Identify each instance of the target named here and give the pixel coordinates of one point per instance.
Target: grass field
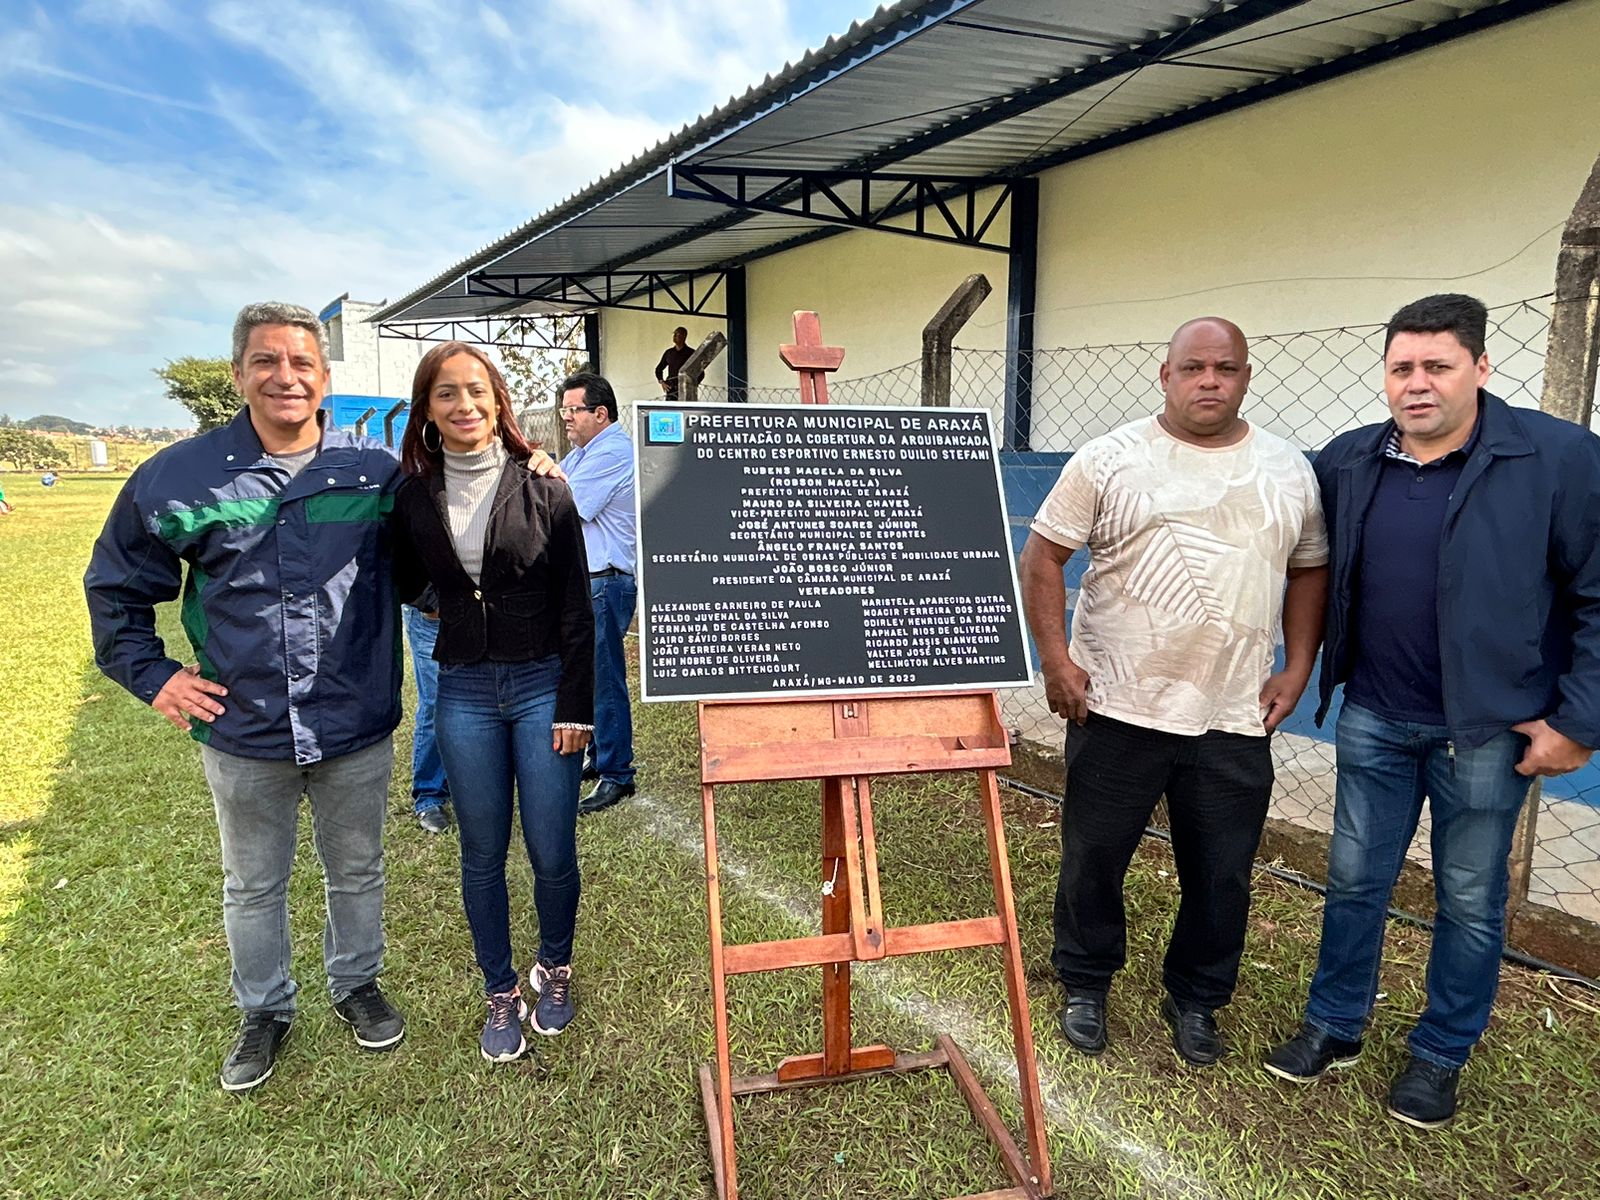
(114, 1006)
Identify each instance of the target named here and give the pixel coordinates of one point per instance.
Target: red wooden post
(811, 358)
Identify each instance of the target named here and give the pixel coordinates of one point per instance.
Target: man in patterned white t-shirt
(1193, 520)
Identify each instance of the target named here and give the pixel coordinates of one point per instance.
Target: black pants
(1218, 786)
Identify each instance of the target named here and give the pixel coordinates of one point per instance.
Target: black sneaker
(249, 1063)
(554, 1009)
(434, 820)
(1194, 1033)
(1083, 1022)
(377, 1023)
(1310, 1054)
(1424, 1095)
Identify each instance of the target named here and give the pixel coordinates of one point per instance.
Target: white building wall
(631, 344)
(370, 365)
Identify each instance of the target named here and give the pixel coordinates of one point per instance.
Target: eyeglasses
(567, 409)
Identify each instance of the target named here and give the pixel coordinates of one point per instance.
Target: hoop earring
(427, 425)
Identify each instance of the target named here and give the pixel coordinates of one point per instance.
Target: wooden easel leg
(1016, 984)
(836, 877)
(722, 1133)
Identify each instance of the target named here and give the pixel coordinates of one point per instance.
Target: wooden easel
(844, 742)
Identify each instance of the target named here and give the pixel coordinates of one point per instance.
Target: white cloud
(26, 374)
(364, 154)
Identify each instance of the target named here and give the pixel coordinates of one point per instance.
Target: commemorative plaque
(817, 550)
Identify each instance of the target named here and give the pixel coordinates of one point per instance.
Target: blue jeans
(1385, 769)
(613, 597)
(494, 722)
(258, 811)
(428, 786)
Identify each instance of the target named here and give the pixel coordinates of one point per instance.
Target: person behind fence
(503, 548)
(601, 471)
(1464, 624)
(1193, 520)
(671, 362)
(274, 529)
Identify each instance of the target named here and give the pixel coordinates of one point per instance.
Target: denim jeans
(258, 811)
(494, 722)
(1218, 786)
(428, 786)
(1385, 769)
(613, 597)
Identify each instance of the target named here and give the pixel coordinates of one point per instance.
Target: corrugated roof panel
(886, 94)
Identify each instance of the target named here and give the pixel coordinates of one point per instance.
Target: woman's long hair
(415, 456)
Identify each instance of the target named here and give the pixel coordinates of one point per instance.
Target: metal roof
(950, 88)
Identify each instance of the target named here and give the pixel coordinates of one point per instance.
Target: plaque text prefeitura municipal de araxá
(810, 549)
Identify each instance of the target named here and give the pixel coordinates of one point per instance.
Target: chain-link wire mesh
(900, 385)
(1306, 386)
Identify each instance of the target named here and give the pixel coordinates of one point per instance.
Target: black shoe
(605, 794)
(377, 1023)
(1194, 1033)
(249, 1063)
(434, 820)
(1424, 1095)
(1083, 1022)
(1309, 1054)
(590, 773)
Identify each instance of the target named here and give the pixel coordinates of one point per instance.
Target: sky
(164, 163)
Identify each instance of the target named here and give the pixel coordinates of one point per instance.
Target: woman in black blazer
(503, 550)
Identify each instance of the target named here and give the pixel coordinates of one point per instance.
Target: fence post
(388, 422)
(938, 335)
(1570, 361)
(694, 368)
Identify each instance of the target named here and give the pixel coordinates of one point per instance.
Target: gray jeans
(258, 810)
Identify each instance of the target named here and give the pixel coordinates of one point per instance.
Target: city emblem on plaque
(666, 427)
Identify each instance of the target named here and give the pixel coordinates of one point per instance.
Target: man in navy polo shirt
(1464, 622)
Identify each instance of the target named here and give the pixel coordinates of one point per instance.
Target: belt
(608, 572)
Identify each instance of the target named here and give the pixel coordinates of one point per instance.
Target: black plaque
(808, 549)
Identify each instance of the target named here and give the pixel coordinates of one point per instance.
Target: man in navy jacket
(1464, 622)
(274, 530)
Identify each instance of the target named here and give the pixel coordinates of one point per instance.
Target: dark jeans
(613, 597)
(1218, 786)
(428, 786)
(494, 723)
(1385, 769)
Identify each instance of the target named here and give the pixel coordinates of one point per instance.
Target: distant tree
(29, 451)
(5, 420)
(533, 374)
(204, 386)
(51, 423)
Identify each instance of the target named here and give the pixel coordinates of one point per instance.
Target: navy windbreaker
(287, 589)
(1519, 572)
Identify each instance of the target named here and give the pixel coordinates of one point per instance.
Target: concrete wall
(369, 365)
(631, 344)
(874, 291)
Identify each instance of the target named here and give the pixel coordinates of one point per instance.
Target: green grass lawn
(114, 1004)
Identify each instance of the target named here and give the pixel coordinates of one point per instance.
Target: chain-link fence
(1306, 386)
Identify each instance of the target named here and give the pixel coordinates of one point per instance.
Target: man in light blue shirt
(600, 472)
